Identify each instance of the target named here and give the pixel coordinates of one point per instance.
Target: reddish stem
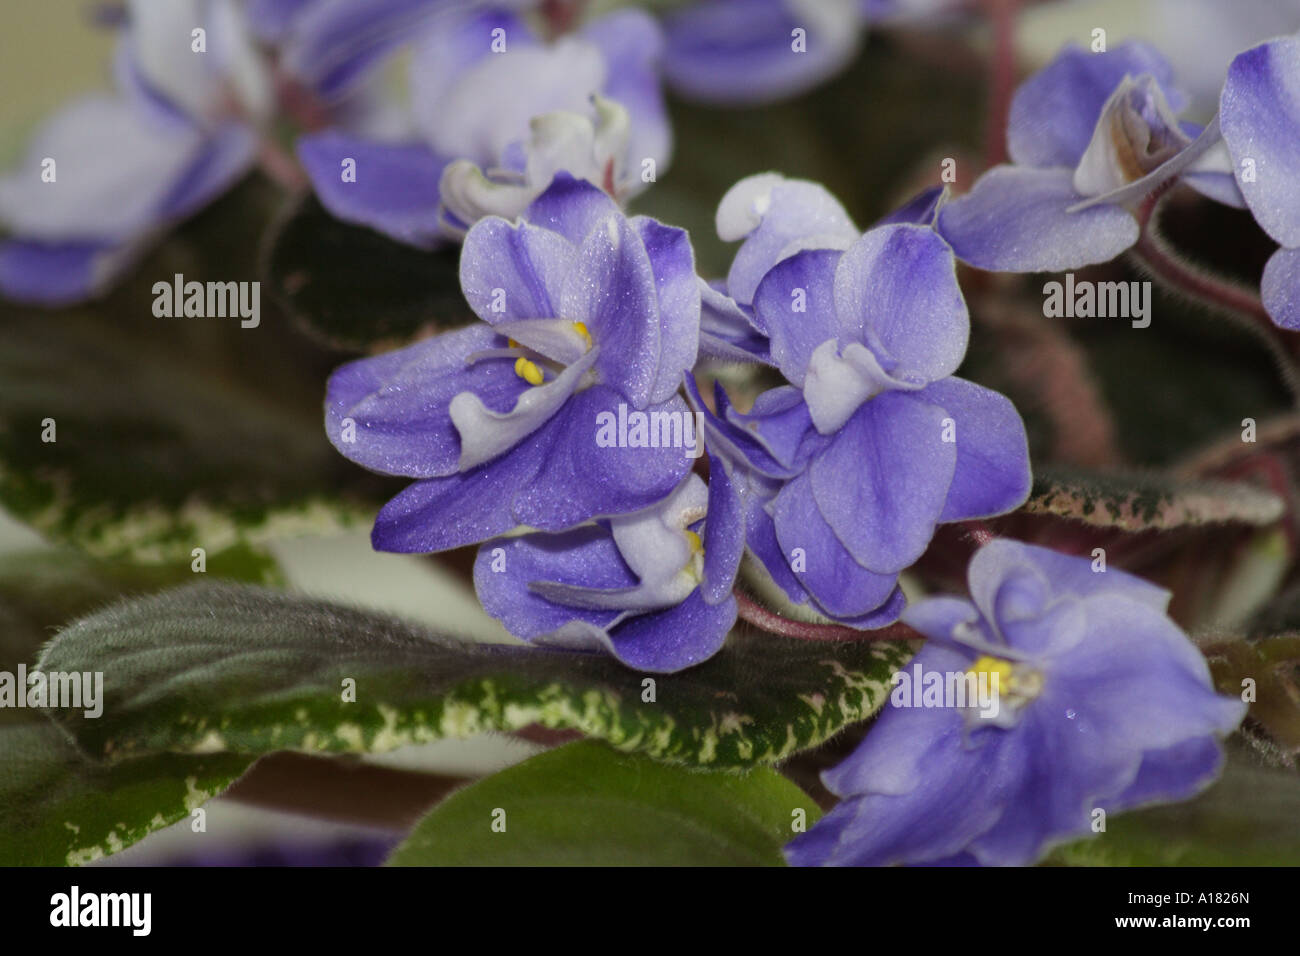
(1002, 77)
(1155, 253)
(773, 623)
(280, 166)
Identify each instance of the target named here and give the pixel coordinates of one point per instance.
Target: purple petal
(511, 271)
(840, 586)
(677, 289)
(1054, 112)
(1167, 776)
(332, 45)
(805, 281)
(399, 402)
(920, 210)
(1063, 574)
(611, 289)
(396, 187)
(585, 556)
(60, 274)
(777, 217)
(742, 51)
(679, 637)
(992, 475)
(1260, 117)
(724, 533)
(1280, 288)
(1015, 220)
(883, 481)
(572, 207)
(896, 289)
(438, 514)
(227, 154)
(115, 169)
(632, 43)
(577, 480)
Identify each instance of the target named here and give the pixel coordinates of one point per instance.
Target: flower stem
(1154, 252)
(1002, 78)
(774, 623)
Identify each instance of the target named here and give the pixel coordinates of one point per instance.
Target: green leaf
(1248, 818)
(172, 433)
(1133, 502)
(585, 805)
(353, 288)
(57, 807)
(218, 667)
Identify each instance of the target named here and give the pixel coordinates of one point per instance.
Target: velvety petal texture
(562, 406)
(1103, 704)
(627, 586)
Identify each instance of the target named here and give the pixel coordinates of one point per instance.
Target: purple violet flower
(585, 314)
(495, 113)
(755, 51)
(843, 474)
(1260, 113)
(107, 174)
(1090, 698)
(1090, 135)
(644, 587)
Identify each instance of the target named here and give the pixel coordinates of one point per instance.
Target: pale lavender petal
(896, 289)
(1015, 220)
(1280, 288)
(883, 481)
(1260, 117)
(992, 474)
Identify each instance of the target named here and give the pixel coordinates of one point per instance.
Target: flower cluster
(631, 445)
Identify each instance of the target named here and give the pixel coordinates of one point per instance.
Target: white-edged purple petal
(511, 271)
(677, 289)
(113, 168)
(777, 217)
(748, 51)
(333, 45)
(572, 207)
(896, 290)
(578, 480)
(724, 532)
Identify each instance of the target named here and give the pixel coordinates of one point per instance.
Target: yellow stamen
(581, 329)
(697, 546)
(993, 665)
(512, 343)
(528, 371)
